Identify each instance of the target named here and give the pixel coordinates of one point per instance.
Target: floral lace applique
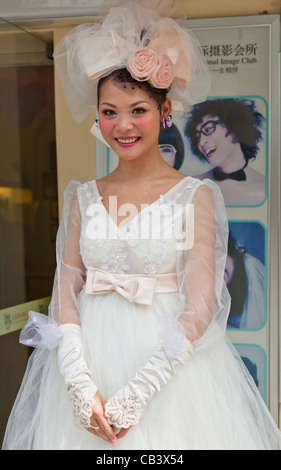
(115, 257)
(159, 253)
(124, 411)
(82, 408)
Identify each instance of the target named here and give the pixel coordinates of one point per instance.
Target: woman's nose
(124, 123)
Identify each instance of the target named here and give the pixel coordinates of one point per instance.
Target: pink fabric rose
(142, 64)
(163, 75)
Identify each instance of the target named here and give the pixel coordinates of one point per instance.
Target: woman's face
(129, 119)
(214, 141)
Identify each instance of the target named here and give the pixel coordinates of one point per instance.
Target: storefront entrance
(28, 196)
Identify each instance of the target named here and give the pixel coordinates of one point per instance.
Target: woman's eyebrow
(108, 104)
(137, 103)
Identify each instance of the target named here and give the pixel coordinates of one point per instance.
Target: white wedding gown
(211, 403)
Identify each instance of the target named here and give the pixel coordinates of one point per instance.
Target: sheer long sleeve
(42, 331)
(198, 275)
(205, 300)
(62, 328)
(69, 282)
(70, 273)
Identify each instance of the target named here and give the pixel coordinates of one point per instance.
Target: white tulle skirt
(211, 404)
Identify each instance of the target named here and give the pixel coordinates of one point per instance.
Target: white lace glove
(81, 389)
(125, 408)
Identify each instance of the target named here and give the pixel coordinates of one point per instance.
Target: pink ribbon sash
(136, 288)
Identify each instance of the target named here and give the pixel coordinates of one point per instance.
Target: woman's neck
(141, 168)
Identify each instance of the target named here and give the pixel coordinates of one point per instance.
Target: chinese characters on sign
(226, 58)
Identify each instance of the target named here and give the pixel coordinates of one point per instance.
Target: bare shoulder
(175, 174)
(105, 180)
(107, 184)
(170, 178)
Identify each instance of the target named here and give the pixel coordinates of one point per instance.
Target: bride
(133, 354)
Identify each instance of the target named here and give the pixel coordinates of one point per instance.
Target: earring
(167, 121)
(97, 123)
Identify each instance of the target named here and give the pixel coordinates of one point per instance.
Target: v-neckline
(100, 198)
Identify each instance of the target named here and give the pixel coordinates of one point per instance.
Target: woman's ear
(166, 108)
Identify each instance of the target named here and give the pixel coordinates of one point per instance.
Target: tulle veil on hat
(91, 51)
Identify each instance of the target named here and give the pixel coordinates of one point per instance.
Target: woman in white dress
(135, 342)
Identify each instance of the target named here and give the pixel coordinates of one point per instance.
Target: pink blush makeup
(105, 124)
(145, 123)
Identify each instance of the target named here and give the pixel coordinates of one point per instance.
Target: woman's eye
(108, 112)
(139, 111)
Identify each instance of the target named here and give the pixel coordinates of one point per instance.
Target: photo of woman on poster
(171, 146)
(245, 276)
(226, 133)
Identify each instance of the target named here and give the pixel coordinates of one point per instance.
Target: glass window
(28, 176)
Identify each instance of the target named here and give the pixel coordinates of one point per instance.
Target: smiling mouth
(210, 152)
(128, 141)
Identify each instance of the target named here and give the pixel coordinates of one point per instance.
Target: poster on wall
(230, 139)
(224, 139)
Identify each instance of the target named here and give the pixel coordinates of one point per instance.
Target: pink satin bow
(138, 289)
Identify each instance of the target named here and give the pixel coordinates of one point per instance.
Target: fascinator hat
(139, 36)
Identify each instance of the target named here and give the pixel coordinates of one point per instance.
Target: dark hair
(173, 137)
(124, 76)
(238, 284)
(239, 116)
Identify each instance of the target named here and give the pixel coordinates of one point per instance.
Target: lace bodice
(128, 250)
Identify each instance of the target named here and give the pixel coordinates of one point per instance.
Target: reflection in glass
(28, 177)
